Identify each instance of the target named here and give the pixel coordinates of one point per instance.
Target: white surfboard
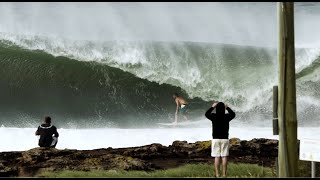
(167, 124)
(180, 124)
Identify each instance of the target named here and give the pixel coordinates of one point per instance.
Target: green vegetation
(237, 170)
(304, 168)
(189, 170)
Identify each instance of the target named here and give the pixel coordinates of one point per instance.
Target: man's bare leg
(176, 119)
(217, 165)
(224, 166)
(185, 118)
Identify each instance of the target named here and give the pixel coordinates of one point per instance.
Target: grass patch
(304, 168)
(189, 170)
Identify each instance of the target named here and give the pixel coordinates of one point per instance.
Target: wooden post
(277, 167)
(313, 169)
(288, 145)
(275, 123)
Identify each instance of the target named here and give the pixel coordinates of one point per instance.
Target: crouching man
(48, 134)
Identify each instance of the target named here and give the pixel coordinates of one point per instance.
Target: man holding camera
(220, 134)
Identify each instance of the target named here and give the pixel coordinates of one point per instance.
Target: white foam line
(20, 139)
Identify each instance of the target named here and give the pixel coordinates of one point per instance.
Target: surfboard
(167, 124)
(189, 123)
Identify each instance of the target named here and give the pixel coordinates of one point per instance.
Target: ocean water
(106, 72)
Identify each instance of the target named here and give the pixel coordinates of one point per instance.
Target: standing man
(182, 106)
(46, 132)
(220, 134)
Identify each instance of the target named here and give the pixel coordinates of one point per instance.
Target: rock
(145, 152)
(37, 160)
(149, 157)
(234, 141)
(181, 148)
(261, 151)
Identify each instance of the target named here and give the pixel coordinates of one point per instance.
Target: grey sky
(249, 23)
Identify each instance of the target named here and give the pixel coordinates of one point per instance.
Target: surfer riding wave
(182, 107)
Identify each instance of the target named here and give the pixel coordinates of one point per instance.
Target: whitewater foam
(21, 139)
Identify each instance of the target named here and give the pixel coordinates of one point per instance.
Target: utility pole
(288, 143)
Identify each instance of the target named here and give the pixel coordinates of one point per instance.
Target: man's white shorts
(219, 147)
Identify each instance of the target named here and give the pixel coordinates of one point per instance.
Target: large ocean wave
(127, 84)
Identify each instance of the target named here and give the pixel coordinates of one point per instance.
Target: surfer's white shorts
(219, 147)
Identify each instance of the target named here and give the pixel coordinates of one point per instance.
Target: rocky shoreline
(149, 157)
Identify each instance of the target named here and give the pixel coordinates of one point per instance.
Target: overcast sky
(248, 23)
